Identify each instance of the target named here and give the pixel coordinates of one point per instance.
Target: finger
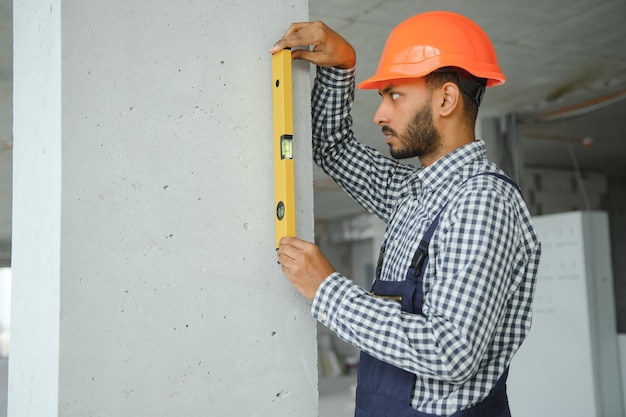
(284, 260)
(295, 36)
(289, 247)
(287, 252)
(306, 55)
(294, 242)
(295, 28)
(285, 240)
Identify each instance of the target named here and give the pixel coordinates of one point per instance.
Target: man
(451, 302)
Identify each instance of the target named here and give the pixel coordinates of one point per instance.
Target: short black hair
(472, 88)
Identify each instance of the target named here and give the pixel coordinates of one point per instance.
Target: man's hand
(304, 265)
(329, 48)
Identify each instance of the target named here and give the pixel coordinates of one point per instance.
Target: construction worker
(451, 300)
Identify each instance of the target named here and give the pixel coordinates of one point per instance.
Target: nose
(381, 117)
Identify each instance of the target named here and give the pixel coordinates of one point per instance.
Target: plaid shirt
(483, 258)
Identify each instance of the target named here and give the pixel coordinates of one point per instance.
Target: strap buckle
(397, 298)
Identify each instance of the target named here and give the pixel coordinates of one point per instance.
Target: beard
(420, 138)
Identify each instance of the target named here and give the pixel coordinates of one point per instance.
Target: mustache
(387, 130)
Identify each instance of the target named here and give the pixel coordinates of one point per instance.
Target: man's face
(406, 117)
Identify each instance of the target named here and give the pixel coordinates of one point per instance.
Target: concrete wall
(144, 272)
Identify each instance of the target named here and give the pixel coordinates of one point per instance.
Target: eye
(394, 96)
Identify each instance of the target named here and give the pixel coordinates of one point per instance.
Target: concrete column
(145, 281)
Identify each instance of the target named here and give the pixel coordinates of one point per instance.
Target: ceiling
(556, 54)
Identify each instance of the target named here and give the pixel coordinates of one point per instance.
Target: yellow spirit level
(284, 184)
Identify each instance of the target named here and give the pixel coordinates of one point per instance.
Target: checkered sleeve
(373, 180)
(481, 249)
(479, 246)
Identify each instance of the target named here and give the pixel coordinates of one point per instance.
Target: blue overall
(384, 390)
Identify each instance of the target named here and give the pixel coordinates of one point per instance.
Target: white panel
(561, 368)
(622, 354)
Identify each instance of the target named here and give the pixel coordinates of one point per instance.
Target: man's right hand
(329, 48)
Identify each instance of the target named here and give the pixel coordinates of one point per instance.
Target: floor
(337, 396)
(337, 399)
(336, 405)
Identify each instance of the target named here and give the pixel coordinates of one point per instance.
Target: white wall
(5, 311)
(573, 342)
(36, 248)
(144, 269)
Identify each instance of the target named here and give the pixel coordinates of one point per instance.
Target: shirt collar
(444, 168)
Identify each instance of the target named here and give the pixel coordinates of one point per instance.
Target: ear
(449, 99)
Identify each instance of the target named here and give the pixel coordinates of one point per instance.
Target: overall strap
(502, 177)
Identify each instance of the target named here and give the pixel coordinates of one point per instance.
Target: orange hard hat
(429, 41)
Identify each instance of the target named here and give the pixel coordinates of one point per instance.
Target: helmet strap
(474, 87)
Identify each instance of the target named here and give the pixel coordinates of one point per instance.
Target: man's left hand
(304, 264)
